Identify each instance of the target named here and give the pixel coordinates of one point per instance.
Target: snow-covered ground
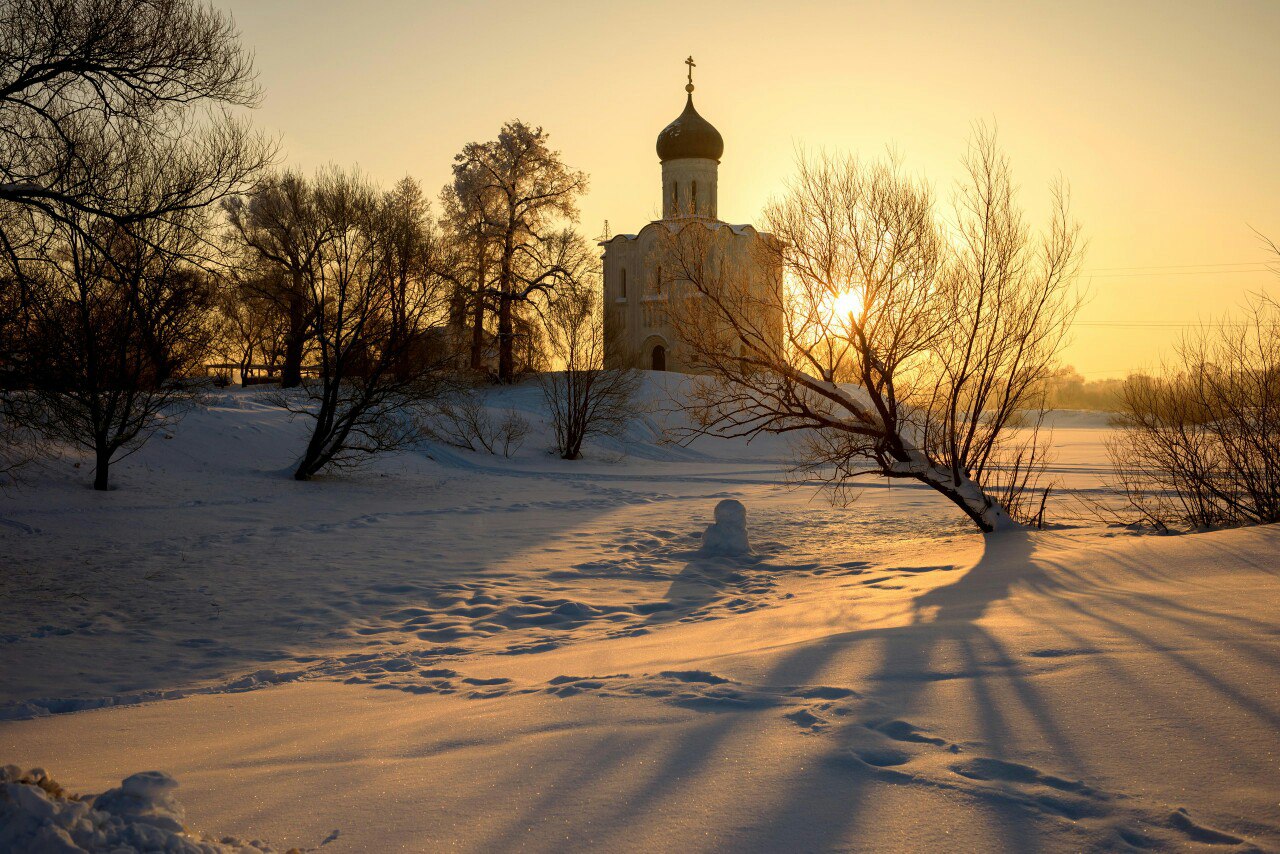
(451, 650)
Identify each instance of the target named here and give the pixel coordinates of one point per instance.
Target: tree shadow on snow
(830, 804)
(822, 807)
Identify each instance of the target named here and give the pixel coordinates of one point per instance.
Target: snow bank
(38, 815)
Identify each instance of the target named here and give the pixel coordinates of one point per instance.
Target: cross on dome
(690, 135)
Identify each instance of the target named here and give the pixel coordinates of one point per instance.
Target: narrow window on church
(658, 288)
(675, 200)
(624, 283)
(693, 197)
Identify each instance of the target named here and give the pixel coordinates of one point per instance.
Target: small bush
(463, 421)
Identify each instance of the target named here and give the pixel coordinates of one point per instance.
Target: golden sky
(1163, 116)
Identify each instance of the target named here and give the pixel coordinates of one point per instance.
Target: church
(638, 333)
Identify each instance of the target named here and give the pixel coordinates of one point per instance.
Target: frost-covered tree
(895, 346)
(517, 199)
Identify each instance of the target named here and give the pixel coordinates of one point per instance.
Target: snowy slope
(456, 650)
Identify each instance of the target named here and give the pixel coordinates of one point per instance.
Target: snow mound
(38, 815)
(727, 535)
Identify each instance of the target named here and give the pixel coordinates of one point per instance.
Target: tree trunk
(295, 340)
(101, 469)
(506, 341)
(986, 512)
(477, 330)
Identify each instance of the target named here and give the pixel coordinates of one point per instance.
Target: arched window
(657, 287)
(659, 357)
(675, 199)
(693, 197)
(623, 280)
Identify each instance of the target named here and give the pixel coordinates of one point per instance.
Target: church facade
(638, 332)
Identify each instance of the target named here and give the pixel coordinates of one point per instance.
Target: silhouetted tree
(466, 213)
(93, 94)
(110, 319)
(896, 353)
(378, 302)
(115, 140)
(250, 328)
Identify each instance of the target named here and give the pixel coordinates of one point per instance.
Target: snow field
(450, 649)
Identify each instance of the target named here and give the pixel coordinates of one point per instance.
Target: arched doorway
(659, 357)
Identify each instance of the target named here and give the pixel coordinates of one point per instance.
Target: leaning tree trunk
(986, 512)
(903, 459)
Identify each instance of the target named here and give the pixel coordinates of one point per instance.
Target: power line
(1120, 324)
(1178, 273)
(1181, 266)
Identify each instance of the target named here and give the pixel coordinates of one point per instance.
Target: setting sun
(847, 304)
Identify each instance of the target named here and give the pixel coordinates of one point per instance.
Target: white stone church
(637, 332)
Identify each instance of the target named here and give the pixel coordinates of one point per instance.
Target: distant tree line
(1067, 388)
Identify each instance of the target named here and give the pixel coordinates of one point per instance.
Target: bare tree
(92, 92)
(584, 399)
(281, 230)
(858, 323)
(376, 301)
(250, 329)
(110, 319)
(520, 195)
(115, 137)
(1013, 307)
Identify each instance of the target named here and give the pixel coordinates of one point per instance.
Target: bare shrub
(585, 399)
(1199, 445)
(463, 421)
